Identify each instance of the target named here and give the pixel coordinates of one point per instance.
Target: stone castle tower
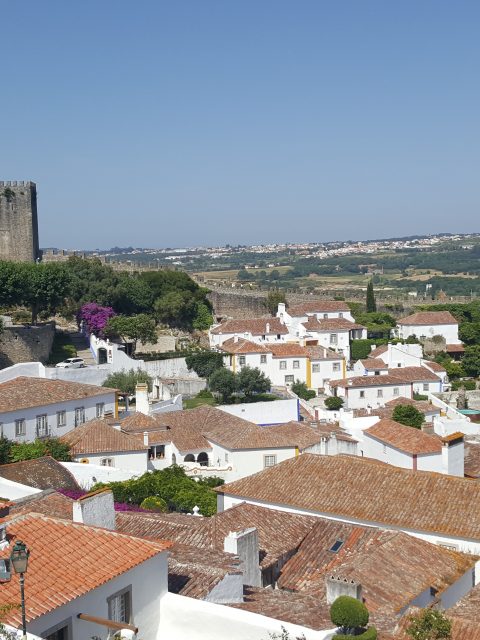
(18, 221)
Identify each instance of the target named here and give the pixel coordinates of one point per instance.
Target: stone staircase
(82, 346)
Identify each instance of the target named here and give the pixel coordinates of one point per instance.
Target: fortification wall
(18, 221)
(25, 343)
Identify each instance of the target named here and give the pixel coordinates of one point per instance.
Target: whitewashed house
(33, 408)
(426, 324)
(370, 367)
(427, 505)
(260, 330)
(100, 443)
(319, 309)
(370, 391)
(335, 334)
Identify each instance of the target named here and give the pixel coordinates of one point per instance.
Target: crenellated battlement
(17, 183)
(18, 221)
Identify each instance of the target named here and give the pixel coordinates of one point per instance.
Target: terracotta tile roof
(368, 381)
(317, 306)
(378, 351)
(293, 608)
(422, 405)
(355, 487)
(241, 345)
(41, 473)
(414, 374)
(24, 392)
(139, 421)
(287, 350)
(385, 563)
(255, 326)
(96, 436)
(434, 366)
(455, 348)
(472, 459)
(428, 317)
(462, 628)
(331, 324)
(467, 608)
(374, 363)
(68, 560)
(317, 352)
(408, 439)
(48, 503)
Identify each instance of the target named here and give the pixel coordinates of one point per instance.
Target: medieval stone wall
(25, 343)
(18, 221)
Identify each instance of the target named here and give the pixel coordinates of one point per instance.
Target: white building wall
(264, 413)
(134, 461)
(447, 331)
(89, 474)
(354, 400)
(30, 415)
(373, 448)
(149, 585)
(328, 370)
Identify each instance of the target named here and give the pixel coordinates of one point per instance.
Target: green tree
(204, 363)
(126, 381)
(370, 302)
(471, 361)
(333, 403)
(5, 449)
(154, 503)
(176, 309)
(469, 332)
(224, 383)
(243, 275)
(203, 317)
(350, 614)
(251, 381)
(45, 287)
(131, 296)
(48, 447)
(409, 415)
(136, 328)
(274, 298)
(11, 283)
(429, 624)
(302, 391)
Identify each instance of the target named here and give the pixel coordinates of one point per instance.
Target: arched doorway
(102, 356)
(202, 459)
(189, 458)
(174, 459)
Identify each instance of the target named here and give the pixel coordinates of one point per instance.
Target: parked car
(71, 363)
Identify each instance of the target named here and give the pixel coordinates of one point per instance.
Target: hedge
(470, 385)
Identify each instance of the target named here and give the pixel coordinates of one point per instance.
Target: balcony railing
(43, 432)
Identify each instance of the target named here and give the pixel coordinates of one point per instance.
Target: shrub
(349, 613)
(302, 391)
(333, 403)
(429, 624)
(126, 381)
(419, 396)
(369, 634)
(408, 415)
(48, 447)
(468, 385)
(154, 503)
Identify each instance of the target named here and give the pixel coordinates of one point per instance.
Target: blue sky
(206, 122)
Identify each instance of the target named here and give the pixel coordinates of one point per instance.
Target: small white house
(426, 324)
(33, 408)
(319, 309)
(260, 330)
(363, 392)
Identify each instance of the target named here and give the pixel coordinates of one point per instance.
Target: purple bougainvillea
(95, 317)
(119, 506)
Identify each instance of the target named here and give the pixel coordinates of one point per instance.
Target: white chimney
(145, 438)
(281, 308)
(337, 586)
(244, 544)
(333, 444)
(95, 509)
(235, 338)
(267, 328)
(453, 455)
(141, 398)
(116, 425)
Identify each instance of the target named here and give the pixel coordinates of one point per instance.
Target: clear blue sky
(205, 122)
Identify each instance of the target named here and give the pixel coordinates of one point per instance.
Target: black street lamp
(19, 560)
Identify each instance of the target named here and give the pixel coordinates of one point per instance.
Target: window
(107, 462)
(340, 315)
(379, 393)
(226, 457)
(425, 386)
(289, 379)
(241, 360)
(263, 337)
(336, 366)
(263, 359)
(269, 461)
(315, 368)
(362, 394)
(20, 427)
(278, 336)
(42, 426)
(396, 391)
(325, 316)
(1, 429)
(61, 418)
(120, 606)
(99, 409)
(333, 338)
(296, 364)
(283, 364)
(336, 546)
(79, 416)
(61, 631)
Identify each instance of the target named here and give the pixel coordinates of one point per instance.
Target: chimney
(244, 544)
(337, 586)
(145, 438)
(333, 444)
(324, 352)
(95, 509)
(267, 328)
(141, 398)
(235, 338)
(116, 425)
(453, 454)
(281, 308)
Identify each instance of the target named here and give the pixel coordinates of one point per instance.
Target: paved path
(82, 346)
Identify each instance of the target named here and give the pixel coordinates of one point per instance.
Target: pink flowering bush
(95, 317)
(119, 506)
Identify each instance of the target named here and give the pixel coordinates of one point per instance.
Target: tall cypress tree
(371, 304)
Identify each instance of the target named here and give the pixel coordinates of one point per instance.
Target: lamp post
(19, 560)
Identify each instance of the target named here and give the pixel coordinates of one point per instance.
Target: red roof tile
(241, 345)
(97, 436)
(428, 317)
(317, 306)
(255, 326)
(408, 439)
